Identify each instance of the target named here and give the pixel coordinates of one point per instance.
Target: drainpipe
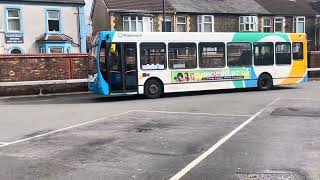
(174, 21)
(83, 30)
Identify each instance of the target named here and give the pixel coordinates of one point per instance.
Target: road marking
(3, 143)
(310, 99)
(209, 114)
(195, 162)
(63, 129)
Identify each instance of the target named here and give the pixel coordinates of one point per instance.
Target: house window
(56, 50)
(149, 24)
(267, 24)
(168, 24)
(133, 23)
(181, 24)
(299, 24)
(248, 23)
(279, 24)
(205, 23)
(15, 51)
(53, 18)
(13, 20)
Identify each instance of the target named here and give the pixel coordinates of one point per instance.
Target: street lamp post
(164, 16)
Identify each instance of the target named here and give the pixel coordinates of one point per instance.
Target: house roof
(265, 7)
(138, 5)
(82, 2)
(54, 37)
(219, 6)
(288, 7)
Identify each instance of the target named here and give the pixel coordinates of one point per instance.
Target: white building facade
(47, 26)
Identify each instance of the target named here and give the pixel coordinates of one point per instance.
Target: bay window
(137, 24)
(248, 23)
(206, 23)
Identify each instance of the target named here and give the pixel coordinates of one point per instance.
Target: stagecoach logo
(121, 35)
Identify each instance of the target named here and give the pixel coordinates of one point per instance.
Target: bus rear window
(297, 50)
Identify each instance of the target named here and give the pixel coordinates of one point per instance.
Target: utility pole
(164, 16)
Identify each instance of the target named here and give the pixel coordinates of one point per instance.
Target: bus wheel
(265, 82)
(153, 89)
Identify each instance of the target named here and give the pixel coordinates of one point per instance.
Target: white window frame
(13, 18)
(180, 23)
(146, 22)
(296, 21)
(56, 47)
(54, 19)
(201, 22)
(264, 25)
(283, 21)
(251, 20)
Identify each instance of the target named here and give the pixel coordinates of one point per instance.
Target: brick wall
(314, 62)
(41, 67)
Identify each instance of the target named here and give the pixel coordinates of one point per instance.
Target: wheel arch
(154, 78)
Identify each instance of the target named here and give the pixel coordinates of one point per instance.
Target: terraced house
(206, 16)
(42, 26)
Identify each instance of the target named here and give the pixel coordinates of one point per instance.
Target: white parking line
(209, 114)
(195, 162)
(309, 99)
(3, 143)
(63, 129)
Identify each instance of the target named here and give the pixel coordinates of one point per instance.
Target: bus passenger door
(123, 67)
(130, 67)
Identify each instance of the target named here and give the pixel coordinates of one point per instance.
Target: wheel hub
(153, 89)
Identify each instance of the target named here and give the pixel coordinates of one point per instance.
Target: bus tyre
(265, 82)
(153, 89)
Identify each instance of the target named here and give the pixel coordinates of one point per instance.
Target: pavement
(240, 134)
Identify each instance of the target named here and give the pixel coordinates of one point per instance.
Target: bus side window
(182, 55)
(283, 53)
(263, 53)
(239, 54)
(297, 50)
(211, 55)
(153, 56)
